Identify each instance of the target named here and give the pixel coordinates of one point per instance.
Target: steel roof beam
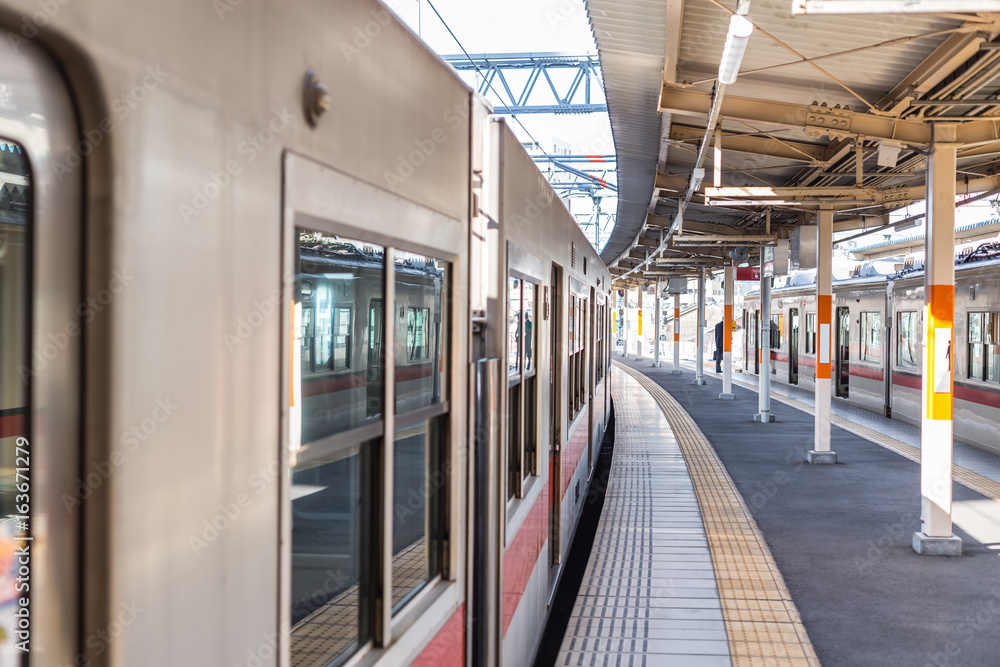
(822, 120)
(784, 149)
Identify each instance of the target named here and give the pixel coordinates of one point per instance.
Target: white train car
(254, 263)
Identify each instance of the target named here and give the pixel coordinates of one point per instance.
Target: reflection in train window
(529, 322)
(341, 326)
(907, 350)
(16, 298)
(513, 325)
(871, 337)
(977, 366)
(330, 548)
(420, 331)
(339, 354)
(810, 333)
(984, 362)
(418, 484)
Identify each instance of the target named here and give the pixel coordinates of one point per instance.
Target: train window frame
(870, 347)
(910, 332)
(329, 201)
(810, 326)
(522, 431)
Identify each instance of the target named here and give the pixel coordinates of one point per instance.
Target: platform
(830, 545)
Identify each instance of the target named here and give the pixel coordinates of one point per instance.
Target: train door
(793, 346)
(843, 360)
(41, 205)
(556, 356)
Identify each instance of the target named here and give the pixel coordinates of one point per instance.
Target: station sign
(748, 273)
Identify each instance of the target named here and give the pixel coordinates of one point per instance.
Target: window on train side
(16, 381)
(871, 337)
(907, 341)
(522, 384)
(341, 327)
(984, 338)
(810, 333)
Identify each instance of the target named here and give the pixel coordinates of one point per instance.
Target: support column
(677, 335)
(764, 377)
(638, 330)
(699, 363)
(824, 323)
(936, 433)
(658, 316)
(728, 288)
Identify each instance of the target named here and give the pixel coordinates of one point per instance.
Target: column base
(822, 458)
(925, 545)
(763, 417)
(655, 364)
(727, 397)
(698, 381)
(675, 372)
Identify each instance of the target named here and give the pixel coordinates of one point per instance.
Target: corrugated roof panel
(631, 41)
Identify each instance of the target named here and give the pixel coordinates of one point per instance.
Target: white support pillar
(677, 335)
(638, 330)
(728, 288)
(764, 377)
(821, 452)
(936, 434)
(628, 324)
(657, 316)
(699, 363)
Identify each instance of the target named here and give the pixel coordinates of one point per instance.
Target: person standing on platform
(718, 347)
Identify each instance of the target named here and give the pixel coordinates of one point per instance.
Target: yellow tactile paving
(762, 622)
(963, 476)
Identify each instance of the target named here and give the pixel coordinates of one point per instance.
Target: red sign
(748, 273)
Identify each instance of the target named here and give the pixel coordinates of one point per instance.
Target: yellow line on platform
(762, 621)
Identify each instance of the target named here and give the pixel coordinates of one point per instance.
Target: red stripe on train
(13, 425)
(520, 557)
(867, 373)
(447, 649)
(963, 392)
(332, 385)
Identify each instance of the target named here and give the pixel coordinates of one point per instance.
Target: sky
(520, 26)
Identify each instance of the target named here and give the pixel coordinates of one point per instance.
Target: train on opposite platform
(310, 360)
(877, 341)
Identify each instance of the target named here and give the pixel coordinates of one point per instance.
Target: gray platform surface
(841, 536)
(648, 596)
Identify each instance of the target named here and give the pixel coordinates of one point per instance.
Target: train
(878, 336)
(303, 361)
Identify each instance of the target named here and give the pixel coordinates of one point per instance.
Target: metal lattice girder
(821, 120)
(761, 145)
(494, 71)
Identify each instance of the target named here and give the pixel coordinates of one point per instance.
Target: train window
(420, 331)
(341, 338)
(331, 537)
(417, 472)
(342, 325)
(871, 337)
(333, 273)
(529, 326)
(907, 350)
(810, 333)
(522, 393)
(977, 366)
(513, 325)
(16, 297)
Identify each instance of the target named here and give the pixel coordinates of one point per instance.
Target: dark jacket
(718, 341)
